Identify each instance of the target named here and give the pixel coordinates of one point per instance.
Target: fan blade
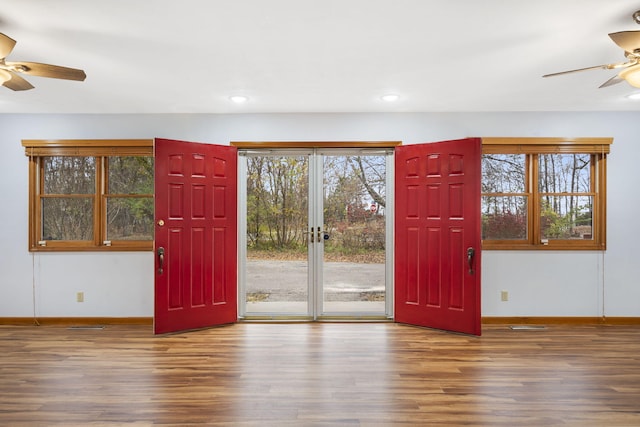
(628, 40)
(612, 81)
(48, 70)
(6, 45)
(16, 82)
(604, 67)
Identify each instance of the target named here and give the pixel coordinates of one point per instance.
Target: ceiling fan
(10, 71)
(630, 42)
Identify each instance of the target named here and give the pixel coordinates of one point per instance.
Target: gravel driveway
(345, 280)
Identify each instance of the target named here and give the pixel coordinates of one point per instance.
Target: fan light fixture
(636, 17)
(631, 75)
(9, 71)
(239, 99)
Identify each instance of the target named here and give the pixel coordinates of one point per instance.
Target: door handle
(160, 260)
(320, 235)
(470, 255)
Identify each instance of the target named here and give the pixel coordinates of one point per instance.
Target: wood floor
(320, 374)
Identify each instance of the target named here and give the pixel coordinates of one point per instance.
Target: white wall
(121, 284)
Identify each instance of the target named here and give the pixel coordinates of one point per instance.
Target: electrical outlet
(80, 297)
(504, 296)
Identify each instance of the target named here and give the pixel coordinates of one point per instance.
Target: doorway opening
(315, 239)
(435, 247)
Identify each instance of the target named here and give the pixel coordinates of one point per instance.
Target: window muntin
(544, 193)
(90, 195)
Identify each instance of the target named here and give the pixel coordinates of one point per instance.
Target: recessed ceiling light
(239, 99)
(634, 96)
(390, 97)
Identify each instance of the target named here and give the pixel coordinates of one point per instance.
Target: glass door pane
(276, 274)
(354, 223)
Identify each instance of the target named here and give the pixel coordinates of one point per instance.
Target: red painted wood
(195, 196)
(437, 211)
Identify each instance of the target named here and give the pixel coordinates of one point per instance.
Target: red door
(437, 235)
(195, 235)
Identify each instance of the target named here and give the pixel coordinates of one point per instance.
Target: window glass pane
(130, 175)
(566, 217)
(564, 173)
(129, 218)
(503, 173)
(504, 217)
(69, 175)
(67, 218)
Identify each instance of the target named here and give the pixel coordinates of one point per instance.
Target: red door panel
(196, 235)
(437, 211)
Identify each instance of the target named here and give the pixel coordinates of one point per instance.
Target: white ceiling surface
(320, 56)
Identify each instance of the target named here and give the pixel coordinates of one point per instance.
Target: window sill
(551, 246)
(146, 247)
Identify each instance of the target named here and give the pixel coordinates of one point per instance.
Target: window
(90, 194)
(544, 193)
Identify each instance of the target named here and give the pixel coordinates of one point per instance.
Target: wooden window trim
(598, 148)
(95, 147)
(314, 144)
(505, 145)
(36, 149)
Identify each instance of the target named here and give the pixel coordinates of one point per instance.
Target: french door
(314, 235)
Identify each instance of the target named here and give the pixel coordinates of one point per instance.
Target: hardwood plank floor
(320, 374)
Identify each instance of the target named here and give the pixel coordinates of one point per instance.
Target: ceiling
(312, 56)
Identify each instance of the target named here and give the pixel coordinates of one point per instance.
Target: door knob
(160, 260)
(470, 255)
